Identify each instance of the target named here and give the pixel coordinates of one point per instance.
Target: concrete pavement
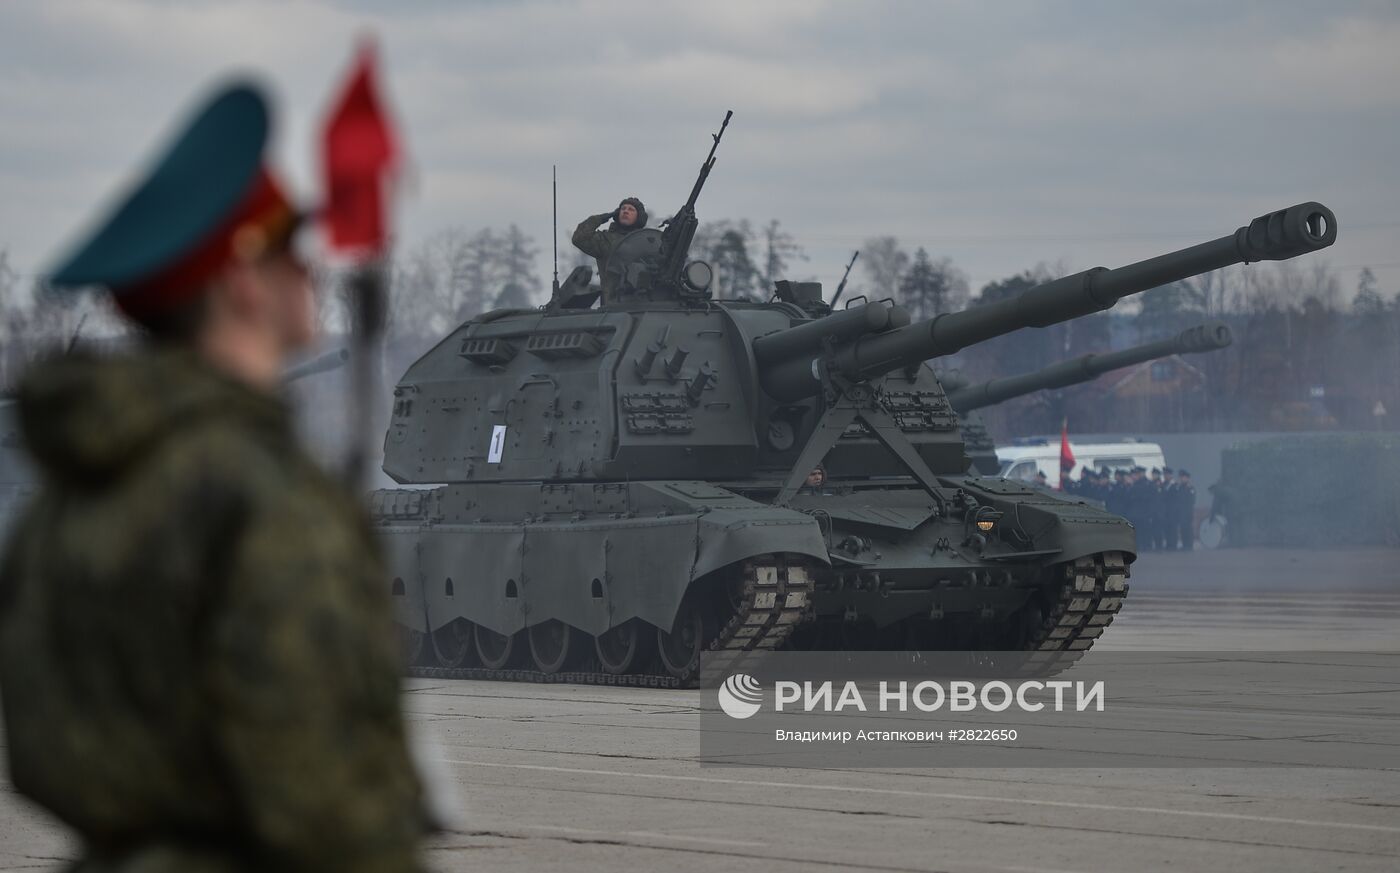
(585, 779)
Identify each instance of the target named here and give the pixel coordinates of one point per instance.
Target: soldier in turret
(630, 215)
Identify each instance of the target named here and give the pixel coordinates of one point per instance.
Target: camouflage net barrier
(1314, 490)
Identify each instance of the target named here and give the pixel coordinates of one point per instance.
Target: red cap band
(264, 214)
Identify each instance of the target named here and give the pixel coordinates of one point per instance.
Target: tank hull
(859, 568)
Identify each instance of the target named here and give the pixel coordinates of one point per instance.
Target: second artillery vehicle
(619, 489)
(967, 398)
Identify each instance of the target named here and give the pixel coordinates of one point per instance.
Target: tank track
(1091, 594)
(776, 595)
(773, 597)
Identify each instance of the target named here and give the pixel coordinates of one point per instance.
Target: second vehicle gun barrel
(319, 364)
(1277, 236)
(1207, 337)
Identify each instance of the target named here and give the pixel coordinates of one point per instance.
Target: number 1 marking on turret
(498, 444)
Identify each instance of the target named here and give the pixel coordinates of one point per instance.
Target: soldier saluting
(197, 659)
(630, 215)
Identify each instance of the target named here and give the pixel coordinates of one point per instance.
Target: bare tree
(1288, 286)
(931, 287)
(417, 304)
(1368, 302)
(779, 250)
(884, 263)
(517, 253)
(1214, 293)
(451, 277)
(476, 269)
(725, 245)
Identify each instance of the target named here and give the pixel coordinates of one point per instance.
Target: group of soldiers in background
(1161, 505)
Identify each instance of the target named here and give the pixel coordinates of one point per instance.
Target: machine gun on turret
(653, 263)
(841, 288)
(817, 359)
(680, 231)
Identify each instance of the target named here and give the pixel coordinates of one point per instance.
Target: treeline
(457, 274)
(1303, 357)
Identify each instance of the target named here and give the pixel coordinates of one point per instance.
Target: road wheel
(453, 643)
(620, 648)
(680, 647)
(411, 644)
(496, 651)
(552, 645)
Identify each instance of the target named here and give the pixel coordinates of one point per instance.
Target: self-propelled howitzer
(621, 488)
(967, 398)
(1209, 337)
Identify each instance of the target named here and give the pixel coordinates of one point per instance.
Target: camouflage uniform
(197, 658)
(602, 243)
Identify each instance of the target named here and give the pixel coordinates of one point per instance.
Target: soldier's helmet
(641, 214)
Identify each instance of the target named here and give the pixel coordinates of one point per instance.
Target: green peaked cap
(187, 195)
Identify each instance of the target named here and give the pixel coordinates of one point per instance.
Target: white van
(1024, 459)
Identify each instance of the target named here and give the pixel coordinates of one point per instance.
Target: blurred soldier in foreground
(197, 660)
(629, 215)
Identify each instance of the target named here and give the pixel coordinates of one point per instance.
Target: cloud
(1054, 128)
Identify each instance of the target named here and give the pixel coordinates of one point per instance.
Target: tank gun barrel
(1277, 236)
(839, 327)
(321, 363)
(1207, 337)
(953, 382)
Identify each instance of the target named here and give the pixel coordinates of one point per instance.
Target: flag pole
(361, 153)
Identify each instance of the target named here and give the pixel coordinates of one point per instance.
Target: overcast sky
(998, 134)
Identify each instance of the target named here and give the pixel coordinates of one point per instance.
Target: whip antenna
(556, 230)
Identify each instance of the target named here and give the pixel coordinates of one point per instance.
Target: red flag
(360, 152)
(1066, 454)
